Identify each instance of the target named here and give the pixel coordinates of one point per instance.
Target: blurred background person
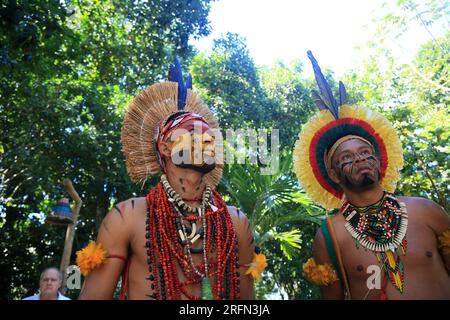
(49, 284)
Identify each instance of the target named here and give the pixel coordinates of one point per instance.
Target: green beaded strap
(332, 245)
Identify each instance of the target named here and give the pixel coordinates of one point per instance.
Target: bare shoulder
(244, 234)
(121, 214)
(319, 241)
(417, 201)
(235, 213)
(428, 212)
(422, 206)
(338, 221)
(239, 219)
(320, 252)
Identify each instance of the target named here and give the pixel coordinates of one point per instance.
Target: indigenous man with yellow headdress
(378, 245)
(181, 241)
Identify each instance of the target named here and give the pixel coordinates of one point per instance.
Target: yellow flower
(444, 242)
(257, 266)
(321, 275)
(91, 257)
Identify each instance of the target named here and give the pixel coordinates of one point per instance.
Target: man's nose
(359, 158)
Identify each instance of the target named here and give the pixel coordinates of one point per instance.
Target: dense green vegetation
(69, 68)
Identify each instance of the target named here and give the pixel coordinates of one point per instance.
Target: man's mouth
(364, 170)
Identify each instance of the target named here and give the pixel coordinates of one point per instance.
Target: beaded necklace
(169, 242)
(381, 228)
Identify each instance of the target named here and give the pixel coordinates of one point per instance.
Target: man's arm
(114, 235)
(439, 222)
(332, 291)
(245, 251)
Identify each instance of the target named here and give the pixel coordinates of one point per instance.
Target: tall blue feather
(325, 90)
(342, 94)
(176, 75)
(318, 100)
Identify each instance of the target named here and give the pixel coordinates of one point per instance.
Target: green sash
(334, 253)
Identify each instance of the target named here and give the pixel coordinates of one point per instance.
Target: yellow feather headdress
(332, 123)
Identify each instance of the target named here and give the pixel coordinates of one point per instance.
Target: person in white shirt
(49, 284)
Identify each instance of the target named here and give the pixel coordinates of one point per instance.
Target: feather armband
(257, 266)
(91, 257)
(319, 274)
(444, 242)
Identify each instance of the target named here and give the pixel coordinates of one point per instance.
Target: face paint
(194, 149)
(192, 146)
(345, 164)
(349, 169)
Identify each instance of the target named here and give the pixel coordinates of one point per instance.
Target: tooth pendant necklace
(189, 235)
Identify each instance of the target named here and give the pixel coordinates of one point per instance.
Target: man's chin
(48, 292)
(366, 183)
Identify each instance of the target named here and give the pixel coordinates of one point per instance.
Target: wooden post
(65, 260)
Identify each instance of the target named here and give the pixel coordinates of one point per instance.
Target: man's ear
(333, 176)
(165, 149)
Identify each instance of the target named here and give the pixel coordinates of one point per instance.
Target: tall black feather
(176, 75)
(342, 94)
(325, 90)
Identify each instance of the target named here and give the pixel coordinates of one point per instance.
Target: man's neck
(187, 183)
(364, 198)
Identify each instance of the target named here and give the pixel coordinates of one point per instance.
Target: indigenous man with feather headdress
(379, 245)
(181, 241)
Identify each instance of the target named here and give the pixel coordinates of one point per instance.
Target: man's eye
(346, 158)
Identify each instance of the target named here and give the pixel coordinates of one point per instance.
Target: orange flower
(257, 266)
(91, 257)
(444, 242)
(321, 275)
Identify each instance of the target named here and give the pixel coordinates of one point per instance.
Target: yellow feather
(398, 281)
(91, 257)
(391, 259)
(444, 242)
(302, 165)
(321, 275)
(257, 266)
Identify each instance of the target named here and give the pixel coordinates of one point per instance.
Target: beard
(204, 168)
(365, 183)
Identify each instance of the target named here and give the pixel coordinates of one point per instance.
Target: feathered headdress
(148, 115)
(330, 127)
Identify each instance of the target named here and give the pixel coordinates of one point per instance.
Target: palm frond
(290, 242)
(273, 203)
